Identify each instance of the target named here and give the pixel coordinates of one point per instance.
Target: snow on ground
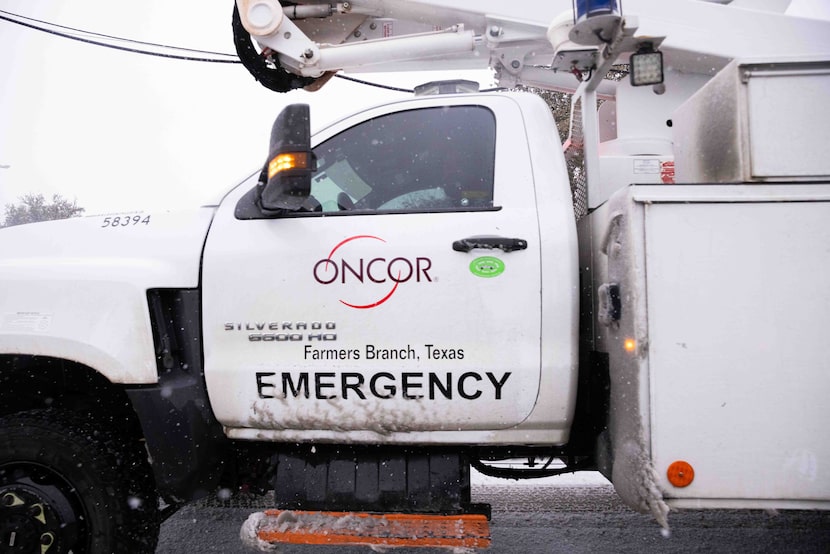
(578, 479)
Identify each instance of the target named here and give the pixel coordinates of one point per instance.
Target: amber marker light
(680, 474)
(630, 345)
(287, 161)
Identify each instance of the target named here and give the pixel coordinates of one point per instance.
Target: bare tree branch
(33, 207)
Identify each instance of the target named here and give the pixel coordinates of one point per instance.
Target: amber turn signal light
(287, 161)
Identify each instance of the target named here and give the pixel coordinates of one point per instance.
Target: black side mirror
(290, 161)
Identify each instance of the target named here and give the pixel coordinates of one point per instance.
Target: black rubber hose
(272, 78)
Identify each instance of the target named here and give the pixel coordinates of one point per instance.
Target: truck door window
(425, 160)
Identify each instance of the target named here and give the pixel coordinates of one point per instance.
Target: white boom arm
(535, 43)
(524, 41)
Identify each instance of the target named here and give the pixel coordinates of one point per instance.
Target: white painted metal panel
(737, 309)
(262, 271)
(778, 105)
(76, 289)
(749, 123)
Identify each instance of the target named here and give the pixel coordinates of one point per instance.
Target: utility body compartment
(724, 294)
(756, 121)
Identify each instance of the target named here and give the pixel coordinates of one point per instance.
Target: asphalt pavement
(573, 514)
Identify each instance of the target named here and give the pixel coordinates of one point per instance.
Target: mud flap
(263, 530)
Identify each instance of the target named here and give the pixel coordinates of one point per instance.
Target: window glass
(431, 159)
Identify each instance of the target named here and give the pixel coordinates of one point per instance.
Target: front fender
(76, 289)
(100, 325)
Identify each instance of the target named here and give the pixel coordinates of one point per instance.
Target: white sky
(118, 131)
(121, 132)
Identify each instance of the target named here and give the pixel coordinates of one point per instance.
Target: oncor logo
(371, 281)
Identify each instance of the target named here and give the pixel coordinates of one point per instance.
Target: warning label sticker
(27, 321)
(646, 167)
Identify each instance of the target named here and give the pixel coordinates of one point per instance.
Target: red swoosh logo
(373, 304)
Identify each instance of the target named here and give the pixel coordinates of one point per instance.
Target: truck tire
(70, 484)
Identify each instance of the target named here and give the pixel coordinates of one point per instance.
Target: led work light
(646, 66)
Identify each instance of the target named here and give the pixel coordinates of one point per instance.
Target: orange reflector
(630, 345)
(680, 473)
(286, 161)
(422, 530)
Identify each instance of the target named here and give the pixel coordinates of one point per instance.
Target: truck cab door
(403, 297)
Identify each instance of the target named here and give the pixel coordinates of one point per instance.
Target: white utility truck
(420, 288)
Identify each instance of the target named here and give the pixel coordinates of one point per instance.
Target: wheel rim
(40, 511)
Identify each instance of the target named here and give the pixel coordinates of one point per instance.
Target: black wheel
(68, 484)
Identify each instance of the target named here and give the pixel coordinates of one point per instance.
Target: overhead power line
(122, 39)
(73, 34)
(371, 84)
(165, 50)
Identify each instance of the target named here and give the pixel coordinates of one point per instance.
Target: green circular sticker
(487, 266)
